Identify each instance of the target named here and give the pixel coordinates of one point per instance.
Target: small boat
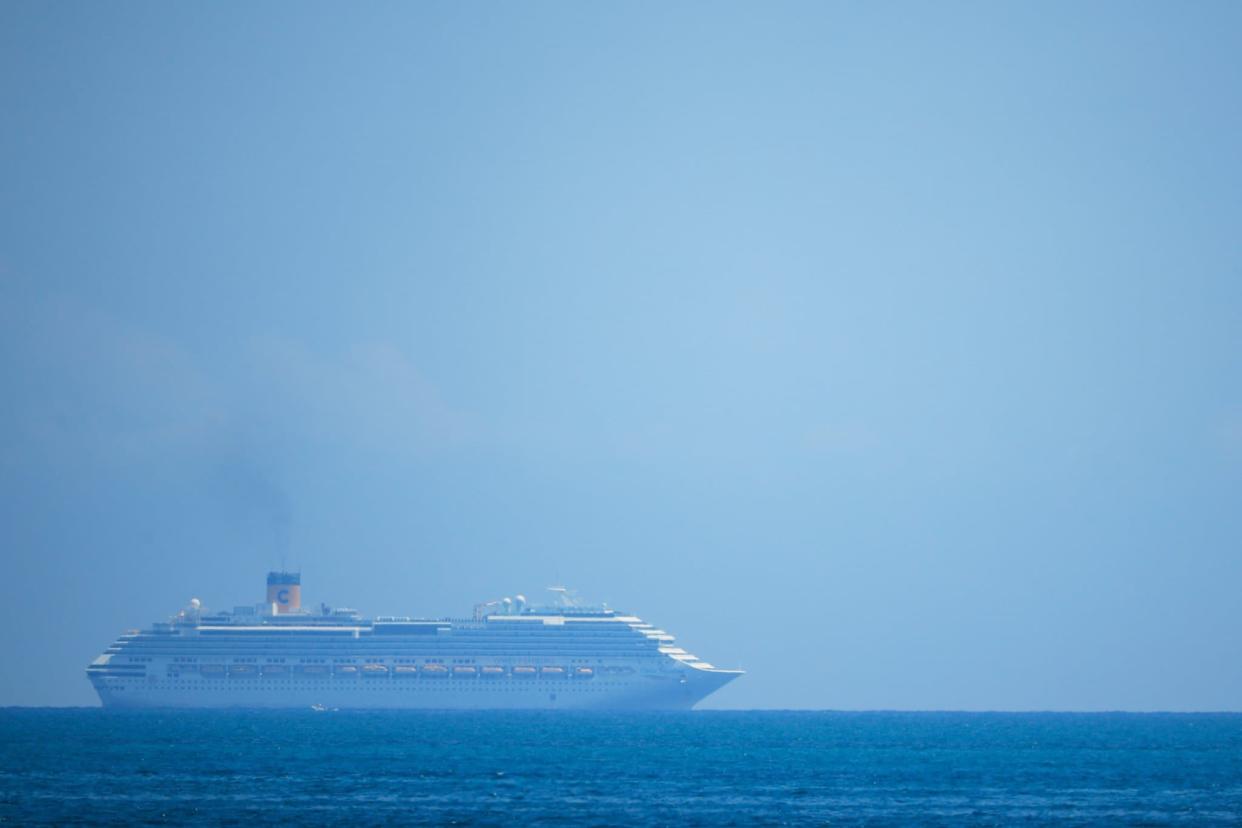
(375, 671)
(492, 671)
(435, 671)
(584, 673)
(524, 672)
(404, 671)
(464, 672)
(554, 672)
(243, 671)
(211, 670)
(345, 670)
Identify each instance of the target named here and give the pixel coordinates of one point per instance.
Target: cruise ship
(508, 655)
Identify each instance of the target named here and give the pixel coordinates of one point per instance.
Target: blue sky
(889, 351)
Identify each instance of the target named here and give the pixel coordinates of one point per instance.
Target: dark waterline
(62, 766)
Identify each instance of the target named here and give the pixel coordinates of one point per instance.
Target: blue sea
(702, 768)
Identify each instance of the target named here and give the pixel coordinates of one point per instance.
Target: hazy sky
(892, 352)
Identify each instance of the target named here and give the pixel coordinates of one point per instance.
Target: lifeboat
(275, 670)
(492, 671)
(524, 672)
(211, 670)
(584, 673)
(435, 670)
(404, 671)
(464, 672)
(374, 670)
(242, 671)
(345, 670)
(312, 669)
(553, 672)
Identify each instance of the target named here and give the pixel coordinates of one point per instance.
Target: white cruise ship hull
(276, 655)
(677, 689)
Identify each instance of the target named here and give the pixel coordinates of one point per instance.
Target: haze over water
(888, 351)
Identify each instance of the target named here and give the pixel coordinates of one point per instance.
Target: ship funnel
(284, 591)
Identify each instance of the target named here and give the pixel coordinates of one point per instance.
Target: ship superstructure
(508, 655)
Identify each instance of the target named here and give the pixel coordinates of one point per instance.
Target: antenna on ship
(565, 595)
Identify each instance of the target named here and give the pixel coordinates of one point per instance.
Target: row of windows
(386, 644)
(523, 672)
(320, 656)
(390, 640)
(457, 688)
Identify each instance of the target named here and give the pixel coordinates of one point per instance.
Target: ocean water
(91, 766)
